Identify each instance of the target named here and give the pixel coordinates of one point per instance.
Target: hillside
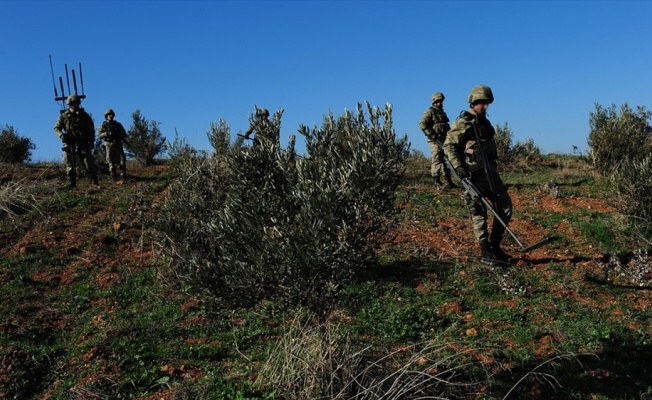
(89, 310)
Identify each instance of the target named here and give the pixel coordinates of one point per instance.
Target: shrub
(633, 182)
(618, 135)
(179, 150)
(503, 140)
(512, 154)
(249, 223)
(145, 140)
(14, 149)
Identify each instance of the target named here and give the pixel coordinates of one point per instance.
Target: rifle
(246, 136)
(476, 195)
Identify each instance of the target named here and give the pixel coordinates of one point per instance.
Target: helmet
(109, 111)
(481, 92)
(263, 112)
(73, 98)
(437, 97)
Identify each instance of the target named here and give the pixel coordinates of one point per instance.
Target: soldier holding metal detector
(114, 135)
(471, 152)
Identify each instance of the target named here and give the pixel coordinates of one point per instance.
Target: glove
(462, 172)
(65, 138)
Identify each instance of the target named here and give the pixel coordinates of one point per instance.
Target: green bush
(14, 149)
(633, 182)
(250, 223)
(513, 154)
(503, 140)
(144, 139)
(618, 135)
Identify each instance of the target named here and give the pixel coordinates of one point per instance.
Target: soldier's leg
(479, 219)
(112, 160)
(435, 166)
(68, 163)
(87, 155)
(123, 162)
(443, 172)
(504, 210)
(107, 157)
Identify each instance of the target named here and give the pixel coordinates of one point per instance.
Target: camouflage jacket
(461, 137)
(77, 124)
(112, 132)
(434, 123)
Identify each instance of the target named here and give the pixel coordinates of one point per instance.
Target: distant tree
(618, 135)
(14, 149)
(145, 140)
(503, 140)
(219, 136)
(512, 154)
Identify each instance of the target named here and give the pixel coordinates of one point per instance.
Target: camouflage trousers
(500, 201)
(437, 166)
(116, 159)
(84, 153)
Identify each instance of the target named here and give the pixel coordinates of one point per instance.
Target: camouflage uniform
(76, 130)
(461, 138)
(263, 127)
(114, 135)
(434, 123)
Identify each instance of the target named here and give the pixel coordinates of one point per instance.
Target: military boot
(497, 250)
(448, 184)
(437, 182)
(486, 254)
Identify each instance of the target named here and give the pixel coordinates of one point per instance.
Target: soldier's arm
(122, 132)
(102, 131)
(91, 128)
(59, 126)
(426, 124)
(453, 143)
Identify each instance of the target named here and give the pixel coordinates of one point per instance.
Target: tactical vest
(486, 133)
(75, 123)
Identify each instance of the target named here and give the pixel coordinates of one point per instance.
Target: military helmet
(481, 92)
(109, 111)
(438, 97)
(73, 98)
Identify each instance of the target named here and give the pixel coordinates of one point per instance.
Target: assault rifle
(476, 195)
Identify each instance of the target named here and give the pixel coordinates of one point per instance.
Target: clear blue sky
(188, 63)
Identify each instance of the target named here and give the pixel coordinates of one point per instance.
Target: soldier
(76, 130)
(465, 155)
(434, 123)
(262, 126)
(114, 136)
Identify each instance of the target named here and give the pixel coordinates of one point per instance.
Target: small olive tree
(617, 135)
(260, 222)
(14, 149)
(513, 154)
(144, 139)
